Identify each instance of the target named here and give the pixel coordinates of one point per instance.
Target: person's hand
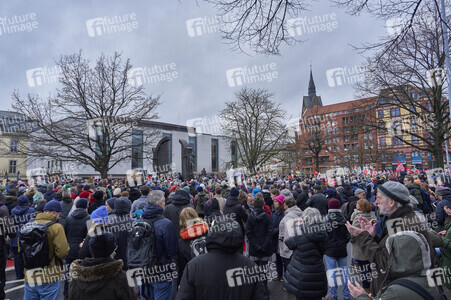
(367, 225)
(356, 290)
(447, 210)
(443, 232)
(354, 231)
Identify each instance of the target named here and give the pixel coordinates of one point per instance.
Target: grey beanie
(358, 191)
(286, 193)
(395, 191)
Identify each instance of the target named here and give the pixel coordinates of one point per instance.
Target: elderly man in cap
(393, 202)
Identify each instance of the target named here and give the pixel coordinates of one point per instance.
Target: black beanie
(103, 244)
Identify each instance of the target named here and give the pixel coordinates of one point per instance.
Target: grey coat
(357, 252)
(290, 213)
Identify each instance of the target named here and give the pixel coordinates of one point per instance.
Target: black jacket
(234, 208)
(120, 224)
(319, 202)
(305, 276)
(66, 204)
(301, 200)
(259, 233)
(76, 230)
(205, 279)
(96, 204)
(10, 202)
(49, 195)
(172, 212)
(99, 278)
(338, 234)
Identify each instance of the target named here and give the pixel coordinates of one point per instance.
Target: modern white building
(171, 150)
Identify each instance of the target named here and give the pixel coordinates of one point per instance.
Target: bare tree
(94, 118)
(260, 25)
(409, 75)
(255, 121)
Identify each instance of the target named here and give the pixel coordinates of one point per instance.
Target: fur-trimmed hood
(92, 274)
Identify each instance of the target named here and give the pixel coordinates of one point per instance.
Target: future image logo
(206, 25)
(112, 24)
(20, 23)
(344, 75)
(247, 75)
(312, 24)
(158, 73)
(43, 75)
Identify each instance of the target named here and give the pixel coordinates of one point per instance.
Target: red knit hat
(334, 204)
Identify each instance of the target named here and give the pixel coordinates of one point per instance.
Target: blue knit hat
(82, 203)
(53, 205)
(22, 200)
(255, 192)
(100, 215)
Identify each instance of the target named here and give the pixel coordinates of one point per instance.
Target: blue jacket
(440, 214)
(21, 215)
(165, 239)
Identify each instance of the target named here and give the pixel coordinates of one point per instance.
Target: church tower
(312, 99)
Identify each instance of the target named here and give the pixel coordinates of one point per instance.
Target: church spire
(311, 85)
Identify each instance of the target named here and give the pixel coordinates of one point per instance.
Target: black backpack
(141, 246)
(198, 246)
(427, 203)
(34, 245)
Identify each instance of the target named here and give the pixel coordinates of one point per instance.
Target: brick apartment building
(349, 134)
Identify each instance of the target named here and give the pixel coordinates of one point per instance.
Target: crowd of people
(209, 238)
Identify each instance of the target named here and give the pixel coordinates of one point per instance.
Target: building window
(346, 138)
(394, 112)
(137, 149)
(414, 139)
(396, 141)
(355, 137)
(380, 114)
(192, 141)
(214, 155)
(169, 135)
(14, 146)
(346, 146)
(13, 166)
(383, 157)
(345, 120)
(382, 141)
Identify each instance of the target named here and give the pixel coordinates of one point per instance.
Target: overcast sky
(160, 35)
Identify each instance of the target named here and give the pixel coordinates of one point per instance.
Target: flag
(408, 170)
(417, 171)
(365, 172)
(355, 169)
(400, 167)
(315, 172)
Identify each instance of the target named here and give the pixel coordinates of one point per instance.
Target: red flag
(409, 170)
(365, 172)
(400, 167)
(417, 171)
(315, 172)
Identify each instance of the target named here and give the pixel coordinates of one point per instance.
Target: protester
(235, 210)
(318, 200)
(172, 212)
(141, 202)
(100, 277)
(277, 216)
(292, 212)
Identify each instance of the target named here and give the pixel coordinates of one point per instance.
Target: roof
(342, 106)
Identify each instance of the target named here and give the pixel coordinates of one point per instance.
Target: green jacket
(417, 194)
(57, 245)
(445, 259)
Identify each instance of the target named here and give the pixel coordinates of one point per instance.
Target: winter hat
(333, 204)
(358, 191)
(82, 203)
(200, 189)
(117, 192)
(98, 195)
(84, 194)
(286, 193)
(317, 187)
(102, 245)
(53, 205)
(100, 215)
(393, 178)
(87, 187)
(234, 192)
(111, 202)
(22, 200)
(186, 188)
(258, 203)
(37, 196)
(330, 192)
(279, 198)
(396, 191)
(22, 189)
(340, 189)
(441, 190)
(255, 192)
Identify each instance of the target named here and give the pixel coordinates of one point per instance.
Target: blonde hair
(187, 214)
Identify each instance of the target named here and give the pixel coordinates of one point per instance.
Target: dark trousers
(2, 272)
(66, 282)
(280, 266)
(365, 270)
(18, 264)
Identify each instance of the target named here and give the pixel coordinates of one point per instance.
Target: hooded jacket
(165, 238)
(305, 275)
(200, 200)
(415, 190)
(259, 233)
(212, 209)
(411, 265)
(234, 209)
(99, 278)
(318, 201)
(120, 225)
(76, 230)
(290, 213)
(21, 215)
(205, 279)
(10, 202)
(66, 204)
(440, 214)
(338, 234)
(276, 217)
(180, 200)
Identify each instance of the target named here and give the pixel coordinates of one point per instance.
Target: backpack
(200, 203)
(141, 246)
(34, 245)
(417, 288)
(427, 203)
(198, 246)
